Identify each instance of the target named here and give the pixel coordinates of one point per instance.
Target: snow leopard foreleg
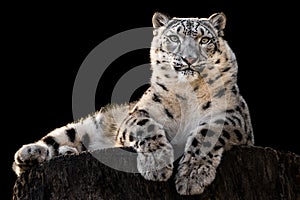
(155, 153)
(202, 156)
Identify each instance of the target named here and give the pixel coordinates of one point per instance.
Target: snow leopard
(193, 102)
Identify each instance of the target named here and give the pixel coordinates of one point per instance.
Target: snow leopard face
(187, 44)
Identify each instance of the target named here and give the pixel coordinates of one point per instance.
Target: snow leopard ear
(159, 19)
(218, 20)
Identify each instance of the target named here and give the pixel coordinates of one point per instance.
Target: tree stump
(244, 173)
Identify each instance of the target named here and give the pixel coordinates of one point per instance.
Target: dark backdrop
(45, 44)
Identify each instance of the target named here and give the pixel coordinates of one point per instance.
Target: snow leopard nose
(190, 60)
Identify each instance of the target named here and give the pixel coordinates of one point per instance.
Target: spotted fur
(193, 104)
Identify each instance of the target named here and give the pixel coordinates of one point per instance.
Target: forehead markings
(209, 28)
(173, 23)
(191, 26)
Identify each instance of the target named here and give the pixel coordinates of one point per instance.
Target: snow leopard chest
(180, 111)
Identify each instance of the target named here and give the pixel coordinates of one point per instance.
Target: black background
(45, 44)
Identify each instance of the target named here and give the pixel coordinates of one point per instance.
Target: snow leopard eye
(204, 40)
(174, 38)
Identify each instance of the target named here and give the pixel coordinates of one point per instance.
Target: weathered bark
(244, 173)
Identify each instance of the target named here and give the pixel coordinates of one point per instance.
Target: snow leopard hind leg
(95, 131)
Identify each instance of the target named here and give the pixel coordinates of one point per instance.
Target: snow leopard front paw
(196, 172)
(193, 181)
(154, 167)
(155, 158)
(29, 155)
